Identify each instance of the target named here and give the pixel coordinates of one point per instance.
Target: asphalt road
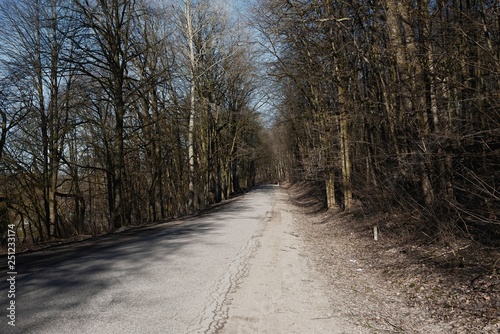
(169, 278)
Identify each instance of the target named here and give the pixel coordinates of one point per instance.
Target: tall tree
(192, 73)
(106, 43)
(39, 32)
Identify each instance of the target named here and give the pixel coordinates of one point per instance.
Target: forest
(121, 112)
(392, 106)
(125, 112)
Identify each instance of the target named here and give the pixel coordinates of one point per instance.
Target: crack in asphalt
(213, 317)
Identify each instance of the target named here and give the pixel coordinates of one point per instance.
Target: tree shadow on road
(78, 270)
(65, 273)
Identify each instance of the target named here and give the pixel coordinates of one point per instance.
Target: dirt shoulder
(397, 284)
(315, 273)
(281, 291)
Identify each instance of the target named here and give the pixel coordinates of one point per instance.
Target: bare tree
(121, 112)
(105, 42)
(379, 105)
(39, 34)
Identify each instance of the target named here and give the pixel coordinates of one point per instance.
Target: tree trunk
(345, 155)
(192, 105)
(330, 190)
(118, 215)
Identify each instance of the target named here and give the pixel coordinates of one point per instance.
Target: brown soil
(404, 282)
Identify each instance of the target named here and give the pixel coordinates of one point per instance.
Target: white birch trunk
(192, 101)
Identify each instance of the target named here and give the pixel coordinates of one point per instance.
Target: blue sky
(241, 5)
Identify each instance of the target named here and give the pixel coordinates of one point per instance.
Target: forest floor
(400, 283)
